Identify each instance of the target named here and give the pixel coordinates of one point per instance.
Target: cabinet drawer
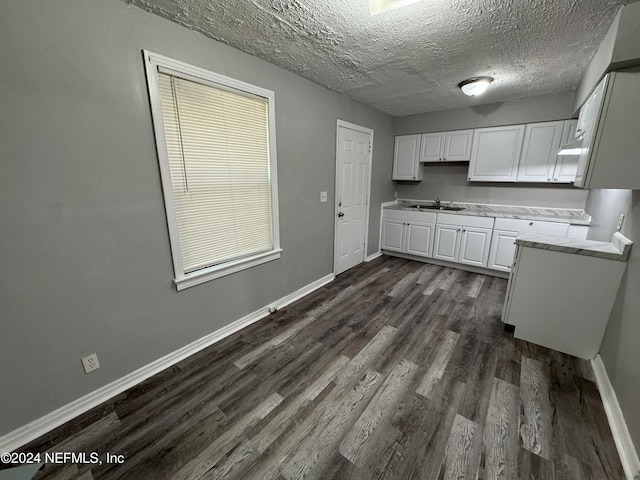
(423, 217)
(465, 220)
(532, 226)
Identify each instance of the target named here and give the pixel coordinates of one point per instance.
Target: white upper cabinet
(452, 146)
(432, 147)
(611, 141)
(458, 146)
(495, 154)
(406, 158)
(540, 151)
(567, 165)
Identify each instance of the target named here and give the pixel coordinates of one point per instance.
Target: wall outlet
(90, 363)
(323, 197)
(620, 220)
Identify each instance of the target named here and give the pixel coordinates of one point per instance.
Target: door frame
(368, 131)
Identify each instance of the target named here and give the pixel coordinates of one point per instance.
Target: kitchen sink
(435, 207)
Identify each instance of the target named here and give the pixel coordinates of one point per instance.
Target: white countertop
(560, 215)
(617, 249)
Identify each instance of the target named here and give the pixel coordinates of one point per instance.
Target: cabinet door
(432, 147)
(540, 151)
(393, 235)
(495, 154)
(474, 246)
(458, 146)
(405, 158)
(567, 165)
(447, 242)
(587, 123)
(503, 248)
(420, 238)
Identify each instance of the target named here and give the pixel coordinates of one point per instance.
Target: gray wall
(605, 207)
(84, 249)
(620, 348)
(449, 181)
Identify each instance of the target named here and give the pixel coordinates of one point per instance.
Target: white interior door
(353, 166)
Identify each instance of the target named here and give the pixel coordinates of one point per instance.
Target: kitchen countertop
(559, 215)
(617, 249)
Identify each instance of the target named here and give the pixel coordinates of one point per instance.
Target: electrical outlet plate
(620, 220)
(90, 363)
(323, 197)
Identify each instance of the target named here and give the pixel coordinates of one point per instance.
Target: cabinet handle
(548, 179)
(530, 224)
(555, 179)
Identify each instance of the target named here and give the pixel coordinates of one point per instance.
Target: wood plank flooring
(397, 370)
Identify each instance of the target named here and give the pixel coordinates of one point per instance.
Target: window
(215, 138)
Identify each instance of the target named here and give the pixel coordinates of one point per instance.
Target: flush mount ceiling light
(475, 86)
(379, 6)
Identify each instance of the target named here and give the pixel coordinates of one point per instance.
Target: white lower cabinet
(467, 239)
(408, 232)
(562, 300)
(503, 242)
(463, 239)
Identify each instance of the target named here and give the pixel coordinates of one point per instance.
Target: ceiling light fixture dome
(475, 86)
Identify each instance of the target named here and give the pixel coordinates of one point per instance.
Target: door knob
(340, 214)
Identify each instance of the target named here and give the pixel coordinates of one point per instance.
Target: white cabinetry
(463, 239)
(408, 232)
(446, 146)
(406, 156)
(562, 300)
(567, 165)
(495, 154)
(540, 161)
(609, 124)
(504, 238)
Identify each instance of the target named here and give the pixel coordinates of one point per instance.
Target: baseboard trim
(373, 256)
(444, 263)
(624, 443)
(29, 432)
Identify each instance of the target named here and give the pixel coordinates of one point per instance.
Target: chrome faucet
(438, 201)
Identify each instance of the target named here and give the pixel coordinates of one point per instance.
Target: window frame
(155, 62)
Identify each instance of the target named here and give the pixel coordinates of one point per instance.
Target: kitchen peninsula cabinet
(561, 291)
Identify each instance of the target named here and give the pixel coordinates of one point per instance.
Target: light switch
(323, 196)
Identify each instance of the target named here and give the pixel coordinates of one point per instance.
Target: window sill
(211, 273)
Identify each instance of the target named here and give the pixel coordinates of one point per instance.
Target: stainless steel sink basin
(435, 207)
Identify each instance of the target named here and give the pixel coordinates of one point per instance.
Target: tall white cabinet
(609, 125)
(495, 154)
(406, 158)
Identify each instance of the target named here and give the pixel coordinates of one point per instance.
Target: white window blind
(218, 148)
(216, 165)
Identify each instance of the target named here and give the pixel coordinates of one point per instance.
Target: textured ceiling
(410, 60)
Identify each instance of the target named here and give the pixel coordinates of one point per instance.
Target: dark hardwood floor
(396, 370)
